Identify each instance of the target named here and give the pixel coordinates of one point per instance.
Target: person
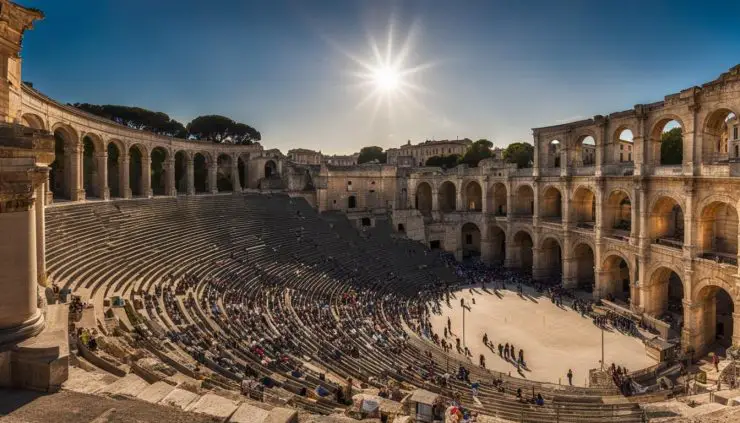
(449, 324)
(715, 361)
(570, 377)
(482, 361)
(500, 350)
(485, 339)
(506, 350)
(539, 401)
(519, 394)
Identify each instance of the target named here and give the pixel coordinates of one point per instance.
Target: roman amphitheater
(152, 278)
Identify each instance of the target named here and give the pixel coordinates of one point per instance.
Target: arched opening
(716, 324)
(583, 208)
(223, 173)
(366, 221)
(524, 201)
(473, 196)
(666, 296)
(135, 167)
(587, 148)
(470, 240)
(497, 199)
(33, 121)
(616, 281)
(624, 147)
(716, 137)
(158, 171)
(666, 143)
(551, 260)
(114, 170)
(522, 252)
(552, 205)
(447, 196)
(89, 168)
(718, 231)
(401, 228)
(583, 256)
(200, 173)
(666, 223)
(618, 215)
(242, 167)
(270, 169)
(553, 153)
(424, 198)
(59, 174)
(181, 172)
(498, 245)
(351, 202)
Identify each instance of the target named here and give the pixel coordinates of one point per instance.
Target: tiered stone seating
(262, 286)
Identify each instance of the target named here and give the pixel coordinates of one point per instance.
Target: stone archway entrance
(524, 202)
(522, 252)
(550, 266)
(552, 205)
(664, 298)
(270, 169)
(583, 257)
(473, 197)
(447, 196)
(715, 323)
(616, 279)
(498, 245)
(424, 198)
(470, 240)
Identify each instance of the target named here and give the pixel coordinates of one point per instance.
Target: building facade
(421, 152)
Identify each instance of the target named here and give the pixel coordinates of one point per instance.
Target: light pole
(462, 304)
(602, 348)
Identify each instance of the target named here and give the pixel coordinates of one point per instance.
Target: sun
(386, 78)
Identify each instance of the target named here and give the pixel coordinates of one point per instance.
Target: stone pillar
(484, 197)
(536, 159)
(77, 188)
(124, 171)
(536, 211)
(171, 186)
(634, 215)
(146, 176)
(212, 185)
(435, 199)
(601, 283)
(190, 176)
(459, 202)
(644, 213)
(510, 260)
(486, 251)
(736, 332)
(688, 214)
(539, 272)
(101, 161)
(49, 195)
(235, 176)
(40, 234)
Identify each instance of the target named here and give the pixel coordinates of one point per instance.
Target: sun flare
(386, 78)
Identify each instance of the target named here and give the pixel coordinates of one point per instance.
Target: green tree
(368, 154)
(221, 129)
(136, 118)
(477, 151)
(671, 147)
(521, 153)
(446, 162)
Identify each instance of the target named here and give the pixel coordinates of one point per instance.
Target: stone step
(87, 382)
(129, 386)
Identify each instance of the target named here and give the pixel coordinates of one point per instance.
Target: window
(401, 228)
(621, 157)
(621, 147)
(734, 132)
(629, 157)
(468, 239)
(351, 202)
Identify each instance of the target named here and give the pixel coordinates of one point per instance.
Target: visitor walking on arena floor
(570, 377)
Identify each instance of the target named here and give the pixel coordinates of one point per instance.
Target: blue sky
(490, 69)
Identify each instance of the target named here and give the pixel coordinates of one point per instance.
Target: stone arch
(471, 237)
(271, 169)
(666, 222)
(33, 120)
(665, 291)
(137, 155)
(158, 170)
(622, 149)
(243, 168)
(551, 205)
(550, 261)
(92, 147)
(423, 200)
(181, 171)
(521, 254)
(717, 302)
(617, 213)
(658, 153)
(497, 199)
(584, 265)
(223, 173)
(552, 155)
(715, 148)
(616, 277)
(472, 196)
(717, 236)
(61, 175)
(497, 237)
(584, 150)
(201, 163)
(447, 196)
(115, 150)
(524, 204)
(351, 202)
(583, 207)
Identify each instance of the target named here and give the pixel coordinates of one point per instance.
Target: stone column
(212, 177)
(435, 199)
(536, 211)
(539, 272)
(124, 171)
(644, 213)
(688, 225)
(510, 261)
(171, 185)
(146, 176)
(235, 176)
(634, 215)
(49, 195)
(40, 234)
(190, 177)
(77, 187)
(484, 197)
(486, 251)
(459, 202)
(20, 317)
(736, 324)
(536, 159)
(101, 160)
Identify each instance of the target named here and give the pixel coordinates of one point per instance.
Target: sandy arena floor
(554, 339)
